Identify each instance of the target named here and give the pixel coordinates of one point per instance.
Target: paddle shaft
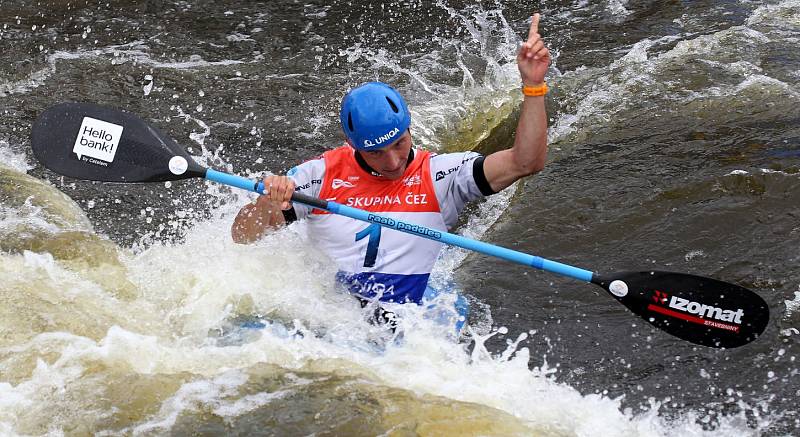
(420, 231)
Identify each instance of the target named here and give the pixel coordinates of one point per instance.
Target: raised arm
(529, 152)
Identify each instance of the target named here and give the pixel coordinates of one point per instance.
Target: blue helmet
(373, 116)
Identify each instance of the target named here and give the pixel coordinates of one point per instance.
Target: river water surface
(674, 145)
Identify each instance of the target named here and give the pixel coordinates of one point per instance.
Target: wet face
(390, 161)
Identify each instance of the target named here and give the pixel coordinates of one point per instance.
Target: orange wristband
(535, 91)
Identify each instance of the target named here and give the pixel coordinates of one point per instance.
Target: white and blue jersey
(380, 262)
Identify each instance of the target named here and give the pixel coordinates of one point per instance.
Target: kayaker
(380, 171)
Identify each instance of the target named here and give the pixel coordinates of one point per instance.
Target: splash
(792, 304)
(461, 109)
(134, 52)
(14, 160)
(640, 86)
(783, 14)
(165, 341)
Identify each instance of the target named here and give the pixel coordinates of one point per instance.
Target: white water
(602, 96)
(186, 290)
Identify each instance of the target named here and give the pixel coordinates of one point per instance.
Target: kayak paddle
(87, 141)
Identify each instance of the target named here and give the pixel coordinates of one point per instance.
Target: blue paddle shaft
(410, 228)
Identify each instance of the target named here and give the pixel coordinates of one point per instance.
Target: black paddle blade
(87, 141)
(701, 310)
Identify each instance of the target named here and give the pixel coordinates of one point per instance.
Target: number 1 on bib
(374, 232)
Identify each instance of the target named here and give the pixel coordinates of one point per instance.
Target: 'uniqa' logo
(382, 139)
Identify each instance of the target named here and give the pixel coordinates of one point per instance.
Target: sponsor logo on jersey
(441, 174)
(308, 185)
(412, 180)
(696, 312)
(408, 199)
(339, 183)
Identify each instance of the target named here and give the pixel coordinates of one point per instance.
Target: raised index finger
(534, 25)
